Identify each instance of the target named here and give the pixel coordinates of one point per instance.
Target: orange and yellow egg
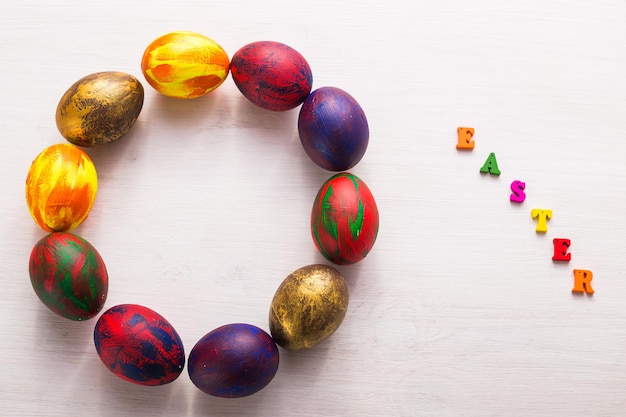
(61, 187)
(184, 64)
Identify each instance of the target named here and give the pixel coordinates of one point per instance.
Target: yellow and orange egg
(184, 64)
(61, 187)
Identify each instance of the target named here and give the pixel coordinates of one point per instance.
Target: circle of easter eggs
(68, 275)
(344, 219)
(235, 360)
(272, 75)
(99, 108)
(139, 345)
(333, 129)
(308, 306)
(184, 64)
(61, 187)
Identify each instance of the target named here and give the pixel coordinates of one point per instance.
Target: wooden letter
(560, 250)
(491, 165)
(517, 192)
(542, 216)
(465, 138)
(582, 281)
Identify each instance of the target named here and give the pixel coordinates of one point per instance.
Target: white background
(203, 209)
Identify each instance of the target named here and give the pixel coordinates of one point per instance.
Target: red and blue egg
(271, 75)
(139, 345)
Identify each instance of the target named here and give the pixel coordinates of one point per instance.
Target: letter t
(542, 216)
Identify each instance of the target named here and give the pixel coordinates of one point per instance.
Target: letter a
(582, 281)
(491, 165)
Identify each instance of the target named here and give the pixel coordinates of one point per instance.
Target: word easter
(582, 277)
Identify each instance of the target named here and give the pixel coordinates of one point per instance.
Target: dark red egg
(272, 75)
(69, 275)
(333, 129)
(235, 360)
(138, 345)
(344, 219)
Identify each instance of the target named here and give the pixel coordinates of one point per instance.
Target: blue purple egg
(232, 361)
(139, 345)
(333, 129)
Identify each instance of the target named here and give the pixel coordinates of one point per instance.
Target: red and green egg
(344, 219)
(68, 275)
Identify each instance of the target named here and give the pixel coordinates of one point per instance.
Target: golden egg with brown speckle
(99, 108)
(308, 306)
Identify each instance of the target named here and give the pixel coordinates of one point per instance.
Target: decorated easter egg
(344, 219)
(61, 187)
(235, 360)
(99, 108)
(333, 129)
(68, 275)
(308, 306)
(272, 75)
(184, 64)
(138, 345)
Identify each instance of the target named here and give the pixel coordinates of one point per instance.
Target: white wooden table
(203, 209)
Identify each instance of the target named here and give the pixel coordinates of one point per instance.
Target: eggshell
(344, 219)
(308, 307)
(272, 75)
(138, 345)
(68, 275)
(99, 108)
(184, 64)
(235, 360)
(333, 129)
(61, 187)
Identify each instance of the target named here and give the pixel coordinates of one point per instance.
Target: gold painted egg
(308, 306)
(61, 187)
(99, 108)
(184, 64)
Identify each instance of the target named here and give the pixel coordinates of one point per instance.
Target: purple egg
(139, 345)
(235, 360)
(333, 129)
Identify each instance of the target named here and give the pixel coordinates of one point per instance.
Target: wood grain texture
(203, 209)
